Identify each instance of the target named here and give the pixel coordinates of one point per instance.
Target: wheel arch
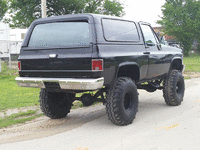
(128, 69)
(177, 63)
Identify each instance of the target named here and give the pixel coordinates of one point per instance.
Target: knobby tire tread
(112, 109)
(50, 111)
(168, 93)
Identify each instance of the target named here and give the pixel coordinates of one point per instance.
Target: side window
(118, 30)
(149, 36)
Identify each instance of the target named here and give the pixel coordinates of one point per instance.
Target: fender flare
(126, 64)
(177, 58)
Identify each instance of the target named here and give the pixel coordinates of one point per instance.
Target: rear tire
(55, 104)
(122, 102)
(174, 88)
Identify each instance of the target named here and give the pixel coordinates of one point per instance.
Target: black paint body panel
(75, 62)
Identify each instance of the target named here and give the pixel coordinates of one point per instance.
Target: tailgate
(62, 59)
(76, 62)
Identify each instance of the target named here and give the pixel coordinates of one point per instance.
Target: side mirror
(150, 44)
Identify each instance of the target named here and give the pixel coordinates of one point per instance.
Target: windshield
(61, 34)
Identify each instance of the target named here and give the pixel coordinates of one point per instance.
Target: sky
(143, 10)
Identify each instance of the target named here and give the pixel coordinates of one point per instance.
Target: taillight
(19, 65)
(97, 64)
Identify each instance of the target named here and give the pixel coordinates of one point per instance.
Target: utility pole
(44, 12)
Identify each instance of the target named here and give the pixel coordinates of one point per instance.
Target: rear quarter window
(120, 31)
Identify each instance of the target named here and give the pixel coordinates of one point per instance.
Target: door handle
(146, 53)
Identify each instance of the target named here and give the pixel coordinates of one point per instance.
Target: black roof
(76, 17)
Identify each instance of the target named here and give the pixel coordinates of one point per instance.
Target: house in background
(16, 38)
(10, 40)
(4, 38)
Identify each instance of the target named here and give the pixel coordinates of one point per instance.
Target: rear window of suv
(60, 34)
(120, 31)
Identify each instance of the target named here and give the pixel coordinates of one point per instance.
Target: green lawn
(192, 63)
(13, 96)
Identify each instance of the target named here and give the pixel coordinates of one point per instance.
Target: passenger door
(156, 57)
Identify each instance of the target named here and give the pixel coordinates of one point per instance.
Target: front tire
(122, 102)
(174, 88)
(55, 104)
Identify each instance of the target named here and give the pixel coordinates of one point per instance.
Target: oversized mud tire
(174, 88)
(55, 104)
(122, 101)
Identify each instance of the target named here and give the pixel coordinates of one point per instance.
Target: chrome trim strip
(65, 83)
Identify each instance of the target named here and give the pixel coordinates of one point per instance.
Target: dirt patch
(17, 110)
(44, 126)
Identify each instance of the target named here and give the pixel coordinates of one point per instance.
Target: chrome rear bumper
(64, 83)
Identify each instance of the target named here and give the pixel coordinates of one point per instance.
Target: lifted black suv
(71, 54)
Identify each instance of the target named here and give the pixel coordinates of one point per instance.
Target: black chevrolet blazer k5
(108, 56)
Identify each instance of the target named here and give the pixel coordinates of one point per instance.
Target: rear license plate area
(52, 85)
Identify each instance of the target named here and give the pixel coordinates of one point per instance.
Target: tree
(3, 8)
(26, 11)
(106, 7)
(179, 20)
(197, 24)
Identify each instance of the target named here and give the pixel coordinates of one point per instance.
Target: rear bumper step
(64, 83)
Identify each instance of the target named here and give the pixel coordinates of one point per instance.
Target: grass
(6, 72)
(187, 78)
(13, 96)
(192, 63)
(77, 104)
(21, 117)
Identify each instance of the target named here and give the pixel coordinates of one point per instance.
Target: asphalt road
(156, 127)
